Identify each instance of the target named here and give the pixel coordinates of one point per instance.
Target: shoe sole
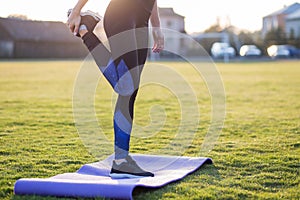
(96, 16)
(120, 176)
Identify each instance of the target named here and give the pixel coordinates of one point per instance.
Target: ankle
(82, 30)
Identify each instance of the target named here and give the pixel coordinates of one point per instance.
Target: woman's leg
(123, 117)
(124, 111)
(120, 22)
(100, 53)
(119, 25)
(103, 59)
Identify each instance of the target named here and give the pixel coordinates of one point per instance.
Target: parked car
(294, 52)
(221, 49)
(286, 51)
(250, 51)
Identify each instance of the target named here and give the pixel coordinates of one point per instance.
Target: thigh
(143, 13)
(142, 37)
(119, 24)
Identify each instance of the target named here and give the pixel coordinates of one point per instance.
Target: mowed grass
(257, 155)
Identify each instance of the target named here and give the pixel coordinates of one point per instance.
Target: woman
(126, 26)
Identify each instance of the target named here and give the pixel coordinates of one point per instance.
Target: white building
(171, 20)
(292, 24)
(175, 23)
(277, 19)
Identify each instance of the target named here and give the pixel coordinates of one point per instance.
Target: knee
(127, 85)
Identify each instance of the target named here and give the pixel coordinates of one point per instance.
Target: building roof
(27, 30)
(168, 12)
(294, 15)
(286, 10)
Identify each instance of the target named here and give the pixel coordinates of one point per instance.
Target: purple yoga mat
(92, 180)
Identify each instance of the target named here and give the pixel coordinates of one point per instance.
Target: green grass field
(257, 155)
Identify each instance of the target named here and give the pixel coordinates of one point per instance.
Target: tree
(206, 43)
(292, 40)
(18, 16)
(292, 34)
(213, 29)
(259, 42)
(276, 36)
(246, 38)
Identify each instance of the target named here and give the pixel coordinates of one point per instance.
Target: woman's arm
(74, 18)
(158, 36)
(154, 18)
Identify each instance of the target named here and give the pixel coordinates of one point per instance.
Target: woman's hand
(159, 40)
(74, 18)
(158, 36)
(74, 22)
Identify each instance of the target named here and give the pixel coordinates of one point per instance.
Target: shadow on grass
(208, 171)
(27, 197)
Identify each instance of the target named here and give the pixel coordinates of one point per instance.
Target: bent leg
(103, 58)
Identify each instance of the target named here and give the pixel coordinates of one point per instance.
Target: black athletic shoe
(128, 169)
(89, 19)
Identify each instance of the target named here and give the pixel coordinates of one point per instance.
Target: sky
(199, 14)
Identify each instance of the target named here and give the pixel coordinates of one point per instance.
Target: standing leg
(120, 24)
(123, 118)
